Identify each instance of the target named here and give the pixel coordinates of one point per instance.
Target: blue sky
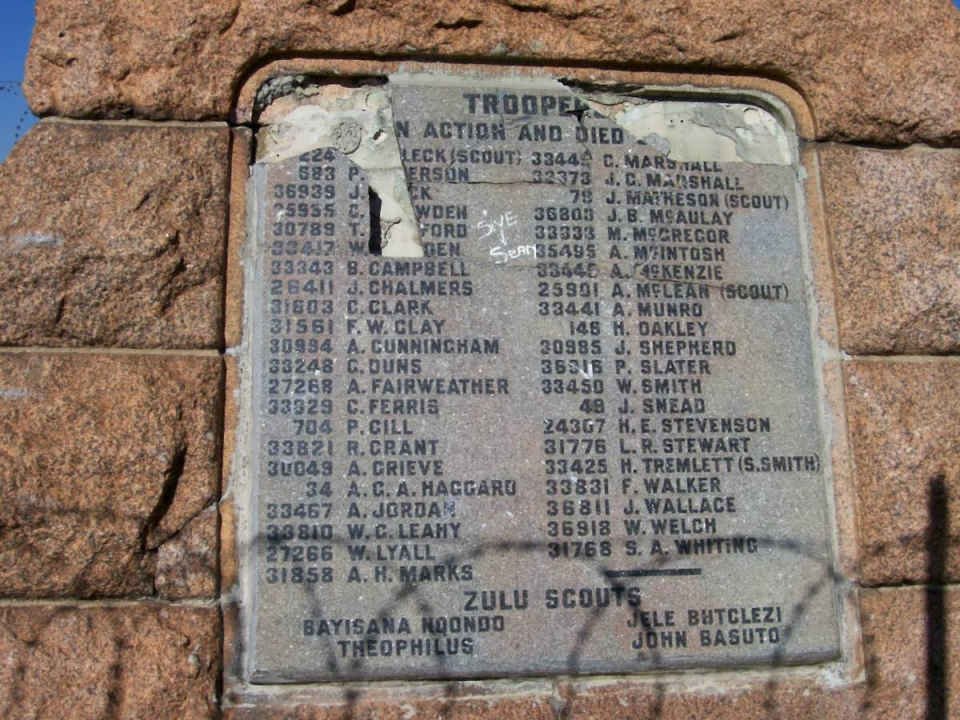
(16, 23)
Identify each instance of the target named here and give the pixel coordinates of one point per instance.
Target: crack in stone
(505, 182)
(528, 7)
(168, 493)
(459, 24)
(143, 200)
(186, 523)
(603, 270)
(58, 312)
(343, 7)
(232, 16)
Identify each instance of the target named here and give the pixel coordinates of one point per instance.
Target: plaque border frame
(792, 111)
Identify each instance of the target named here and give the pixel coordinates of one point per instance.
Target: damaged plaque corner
(297, 115)
(731, 129)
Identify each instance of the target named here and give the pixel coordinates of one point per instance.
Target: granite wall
(121, 216)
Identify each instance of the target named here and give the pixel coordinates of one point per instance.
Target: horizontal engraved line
(653, 572)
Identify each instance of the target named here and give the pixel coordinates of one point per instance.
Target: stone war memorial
(496, 359)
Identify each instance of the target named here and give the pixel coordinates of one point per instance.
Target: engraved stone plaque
(532, 386)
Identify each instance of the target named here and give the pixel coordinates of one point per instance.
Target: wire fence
(936, 688)
(15, 116)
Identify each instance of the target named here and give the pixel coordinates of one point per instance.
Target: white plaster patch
(359, 123)
(14, 393)
(718, 132)
(34, 240)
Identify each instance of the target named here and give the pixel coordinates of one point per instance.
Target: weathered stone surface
(883, 71)
(107, 467)
(895, 225)
(113, 236)
(187, 562)
(903, 419)
(912, 652)
(897, 636)
(519, 707)
(131, 662)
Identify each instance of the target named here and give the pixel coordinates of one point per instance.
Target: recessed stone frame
(790, 109)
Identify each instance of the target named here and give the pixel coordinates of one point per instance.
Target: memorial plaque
(576, 429)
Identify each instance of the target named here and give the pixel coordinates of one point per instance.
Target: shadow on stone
(938, 534)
